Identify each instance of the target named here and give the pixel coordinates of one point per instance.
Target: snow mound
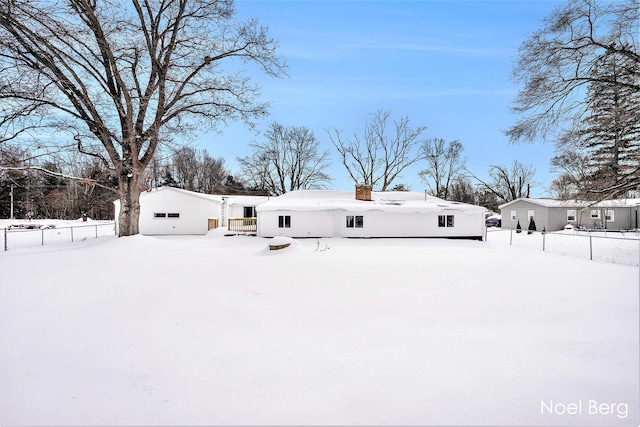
(281, 244)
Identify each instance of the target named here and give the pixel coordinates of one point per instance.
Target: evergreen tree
(609, 136)
(518, 227)
(532, 226)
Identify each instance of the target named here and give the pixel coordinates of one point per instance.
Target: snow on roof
(245, 200)
(395, 201)
(213, 197)
(552, 203)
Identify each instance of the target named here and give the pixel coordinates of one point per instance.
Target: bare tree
(561, 60)
(563, 188)
(185, 168)
(557, 61)
(445, 163)
(461, 190)
(212, 173)
(509, 183)
(377, 158)
(119, 77)
(287, 160)
(576, 175)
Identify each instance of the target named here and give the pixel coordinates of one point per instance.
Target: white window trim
(166, 215)
(355, 221)
(286, 221)
(531, 213)
(609, 215)
(597, 214)
(446, 221)
(572, 213)
(514, 216)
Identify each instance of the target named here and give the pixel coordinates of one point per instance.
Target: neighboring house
(322, 213)
(554, 215)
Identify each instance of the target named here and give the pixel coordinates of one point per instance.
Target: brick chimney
(363, 192)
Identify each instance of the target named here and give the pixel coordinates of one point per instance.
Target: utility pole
(11, 194)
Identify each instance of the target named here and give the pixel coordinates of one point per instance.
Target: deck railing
(248, 225)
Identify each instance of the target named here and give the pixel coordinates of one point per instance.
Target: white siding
(377, 223)
(303, 224)
(194, 212)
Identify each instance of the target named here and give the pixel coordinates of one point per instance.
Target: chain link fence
(15, 238)
(613, 247)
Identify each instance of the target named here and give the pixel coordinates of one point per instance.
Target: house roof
(211, 197)
(552, 203)
(394, 201)
(218, 198)
(246, 200)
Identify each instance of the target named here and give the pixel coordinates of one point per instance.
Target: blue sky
(444, 64)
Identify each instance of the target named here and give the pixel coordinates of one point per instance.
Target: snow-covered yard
(220, 330)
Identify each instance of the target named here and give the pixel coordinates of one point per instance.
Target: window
(595, 214)
(530, 214)
(513, 216)
(249, 212)
(608, 215)
(446, 220)
(356, 221)
(571, 215)
(166, 215)
(284, 221)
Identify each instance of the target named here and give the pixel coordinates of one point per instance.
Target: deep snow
(220, 330)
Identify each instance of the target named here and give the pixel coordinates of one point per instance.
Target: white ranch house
(321, 213)
(310, 213)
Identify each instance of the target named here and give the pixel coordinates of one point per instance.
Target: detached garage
(169, 210)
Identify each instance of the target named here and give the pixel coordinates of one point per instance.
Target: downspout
(222, 212)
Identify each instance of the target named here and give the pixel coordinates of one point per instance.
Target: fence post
(42, 229)
(510, 236)
(590, 247)
(544, 235)
(71, 228)
(6, 236)
(96, 231)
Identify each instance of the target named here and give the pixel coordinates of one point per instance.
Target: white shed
(320, 213)
(168, 210)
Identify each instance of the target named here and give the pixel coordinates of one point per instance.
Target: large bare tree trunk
(129, 178)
